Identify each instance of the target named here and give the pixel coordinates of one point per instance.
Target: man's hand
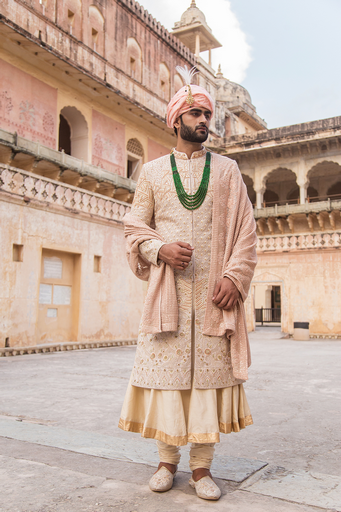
(177, 254)
(225, 294)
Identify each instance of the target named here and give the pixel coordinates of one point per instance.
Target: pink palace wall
(108, 143)
(155, 150)
(27, 106)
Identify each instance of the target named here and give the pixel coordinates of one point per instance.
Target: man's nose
(202, 119)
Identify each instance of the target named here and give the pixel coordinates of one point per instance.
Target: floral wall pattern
(108, 143)
(27, 105)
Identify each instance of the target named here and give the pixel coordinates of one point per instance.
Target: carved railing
(298, 242)
(31, 187)
(290, 209)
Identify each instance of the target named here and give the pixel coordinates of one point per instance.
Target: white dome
(192, 15)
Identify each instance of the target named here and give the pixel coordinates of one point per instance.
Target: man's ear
(177, 123)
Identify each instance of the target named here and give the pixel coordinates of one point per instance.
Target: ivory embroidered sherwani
(182, 388)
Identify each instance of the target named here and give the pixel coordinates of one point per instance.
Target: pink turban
(178, 105)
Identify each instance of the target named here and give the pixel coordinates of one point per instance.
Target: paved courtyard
(61, 450)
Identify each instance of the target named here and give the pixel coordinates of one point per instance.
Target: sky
(286, 53)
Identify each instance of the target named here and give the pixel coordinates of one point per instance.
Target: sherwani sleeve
(243, 258)
(143, 207)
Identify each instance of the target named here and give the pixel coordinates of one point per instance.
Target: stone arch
(164, 81)
(134, 59)
(322, 177)
(279, 183)
(177, 82)
(334, 192)
(294, 195)
(270, 198)
(96, 27)
(79, 133)
(312, 194)
(135, 156)
(250, 190)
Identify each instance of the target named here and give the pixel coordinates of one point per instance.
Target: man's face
(194, 124)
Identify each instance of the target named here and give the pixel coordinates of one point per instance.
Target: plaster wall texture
(110, 301)
(156, 150)
(114, 23)
(310, 282)
(27, 105)
(108, 143)
(107, 131)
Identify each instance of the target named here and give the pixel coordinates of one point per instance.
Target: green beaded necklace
(192, 201)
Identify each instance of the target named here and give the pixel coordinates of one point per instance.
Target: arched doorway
(281, 187)
(323, 180)
(73, 133)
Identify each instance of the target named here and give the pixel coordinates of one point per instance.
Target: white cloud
(235, 55)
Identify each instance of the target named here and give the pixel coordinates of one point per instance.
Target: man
(191, 234)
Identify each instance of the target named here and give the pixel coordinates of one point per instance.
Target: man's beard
(190, 135)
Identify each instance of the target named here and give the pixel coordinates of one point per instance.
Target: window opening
(97, 263)
(71, 18)
(64, 135)
(132, 67)
(18, 252)
(94, 34)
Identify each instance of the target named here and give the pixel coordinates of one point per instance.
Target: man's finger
(186, 259)
(231, 303)
(216, 291)
(220, 296)
(185, 245)
(223, 303)
(186, 252)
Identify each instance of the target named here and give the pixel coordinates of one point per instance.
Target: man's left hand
(225, 294)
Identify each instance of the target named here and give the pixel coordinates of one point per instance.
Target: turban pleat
(178, 104)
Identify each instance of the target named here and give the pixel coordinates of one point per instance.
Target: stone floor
(61, 450)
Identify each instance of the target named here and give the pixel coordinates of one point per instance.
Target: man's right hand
(177, 255)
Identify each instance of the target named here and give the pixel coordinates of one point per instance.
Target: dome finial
(219, 72)
(193, 4)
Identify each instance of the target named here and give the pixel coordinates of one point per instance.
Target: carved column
(197, 44)
(303, 193)
(259, 196)
(302, 181)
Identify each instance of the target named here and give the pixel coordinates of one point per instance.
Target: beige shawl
(233, 254)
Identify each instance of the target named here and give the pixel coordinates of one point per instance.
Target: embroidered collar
(182, 156)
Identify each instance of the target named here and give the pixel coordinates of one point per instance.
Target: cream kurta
(169, 362)
(175, 363)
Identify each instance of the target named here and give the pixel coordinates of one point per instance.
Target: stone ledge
(325, 336)
(313, 336)
(36, 188)
(58, 347)
(287, 243)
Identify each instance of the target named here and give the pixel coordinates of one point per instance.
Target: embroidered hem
(225, 428)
